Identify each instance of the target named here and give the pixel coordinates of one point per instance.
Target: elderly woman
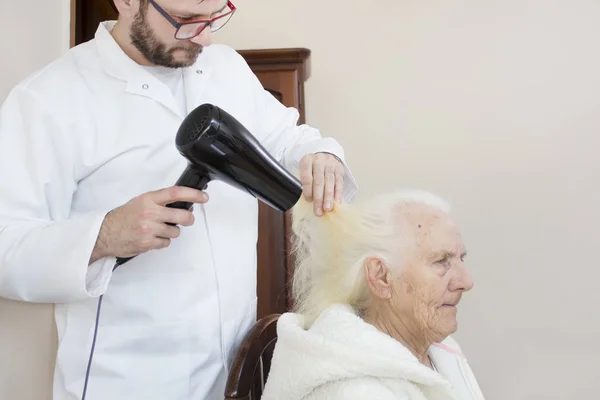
(376, 291)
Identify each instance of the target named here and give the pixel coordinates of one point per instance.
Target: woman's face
(433, 277)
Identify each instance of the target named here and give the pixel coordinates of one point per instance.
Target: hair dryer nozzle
(203, 119)
(214, 141)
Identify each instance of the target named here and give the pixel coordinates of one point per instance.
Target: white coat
(85, 135)
(341, 357)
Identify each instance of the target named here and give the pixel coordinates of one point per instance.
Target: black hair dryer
(217, 146)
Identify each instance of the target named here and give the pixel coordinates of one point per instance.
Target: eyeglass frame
(178, 25)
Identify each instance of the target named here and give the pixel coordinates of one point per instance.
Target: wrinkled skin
(416, 298)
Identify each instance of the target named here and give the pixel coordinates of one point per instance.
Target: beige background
(493, 104)
(32, 33)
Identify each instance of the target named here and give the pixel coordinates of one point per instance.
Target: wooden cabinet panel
(271, 261)
(282, 84)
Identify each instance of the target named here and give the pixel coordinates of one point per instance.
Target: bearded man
(87, 167)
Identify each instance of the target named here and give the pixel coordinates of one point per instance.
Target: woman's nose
(463, 280)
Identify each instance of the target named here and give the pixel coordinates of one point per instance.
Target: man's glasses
(190, 29)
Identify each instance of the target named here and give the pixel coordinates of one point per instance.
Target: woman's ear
(378, 277)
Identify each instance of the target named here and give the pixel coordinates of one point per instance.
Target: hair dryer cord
(89, 366)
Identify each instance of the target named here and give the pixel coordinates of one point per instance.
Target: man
(87, 164)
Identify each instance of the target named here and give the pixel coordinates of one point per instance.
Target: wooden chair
(252, 362)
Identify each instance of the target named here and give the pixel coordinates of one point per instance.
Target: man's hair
(330, 250)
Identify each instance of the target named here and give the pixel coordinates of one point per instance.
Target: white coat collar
(139, 81)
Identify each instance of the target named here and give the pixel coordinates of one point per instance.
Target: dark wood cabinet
(86, 15)
(283, 73)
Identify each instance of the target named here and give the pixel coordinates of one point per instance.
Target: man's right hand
(141, 224)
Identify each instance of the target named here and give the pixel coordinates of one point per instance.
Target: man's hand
(322, 177)
(141, 224)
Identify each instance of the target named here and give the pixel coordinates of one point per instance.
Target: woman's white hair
(330, 250)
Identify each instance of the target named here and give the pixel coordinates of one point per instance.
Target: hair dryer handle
(192, 178)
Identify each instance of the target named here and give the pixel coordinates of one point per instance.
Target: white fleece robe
(341, 357)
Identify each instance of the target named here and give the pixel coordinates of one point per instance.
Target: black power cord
(89, 366)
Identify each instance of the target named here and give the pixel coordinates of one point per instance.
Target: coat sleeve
(44, 249)
(355, 389)
(287, 141)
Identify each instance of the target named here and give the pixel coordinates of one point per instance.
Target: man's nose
(204, 38)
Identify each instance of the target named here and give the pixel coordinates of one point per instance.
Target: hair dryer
(219, 147)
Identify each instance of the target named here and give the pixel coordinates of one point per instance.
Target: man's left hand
(322, 177)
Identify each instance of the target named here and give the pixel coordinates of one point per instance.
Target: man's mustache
(193, 47)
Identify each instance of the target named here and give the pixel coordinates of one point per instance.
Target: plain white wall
(32, 33)
(491, 104)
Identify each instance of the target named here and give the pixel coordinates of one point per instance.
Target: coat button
(199, 71)
(145, 86)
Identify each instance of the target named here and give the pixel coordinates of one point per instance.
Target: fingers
(159, 236)
(329, 188)
(160, 243)
(167, 232)
(176, 216)
(306, 177)
(172, 194)
(154, 235)
(318, 187)
(339, 184)
(322, 177)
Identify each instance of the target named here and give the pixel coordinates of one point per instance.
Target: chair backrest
(252, 362)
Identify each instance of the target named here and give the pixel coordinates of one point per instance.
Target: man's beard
(155, 51)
